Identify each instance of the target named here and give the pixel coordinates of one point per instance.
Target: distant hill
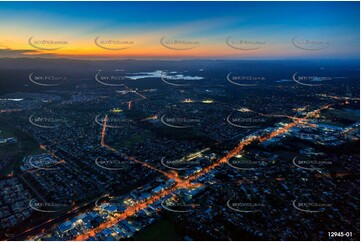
(14, 72)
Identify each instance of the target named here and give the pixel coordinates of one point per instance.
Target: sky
(180, 30)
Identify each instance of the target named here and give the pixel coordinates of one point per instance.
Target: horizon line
(193, 59)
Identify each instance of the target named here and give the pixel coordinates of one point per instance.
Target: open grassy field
(25, 145)
(161, 230)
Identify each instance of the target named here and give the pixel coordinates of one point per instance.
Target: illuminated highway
(187, 183)
(133, 91)
(10, 110)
